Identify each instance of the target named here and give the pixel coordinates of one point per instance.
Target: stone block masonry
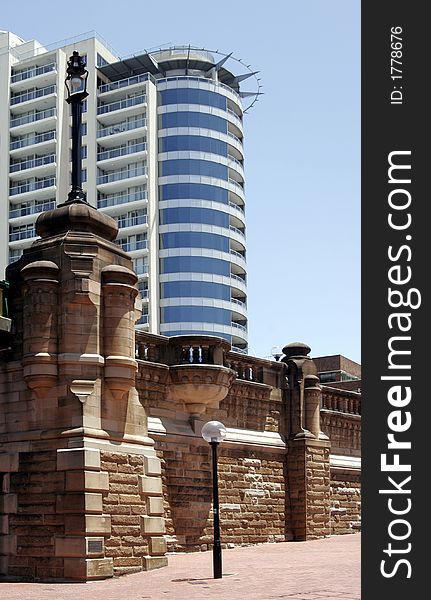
(252, 497)
(102, 464)
(134, 501)
(345, 503)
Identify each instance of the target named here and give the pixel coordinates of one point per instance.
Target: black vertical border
(387, 128)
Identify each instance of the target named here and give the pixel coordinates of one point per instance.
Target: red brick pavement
(328, 568)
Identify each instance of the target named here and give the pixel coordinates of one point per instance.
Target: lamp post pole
(76, 84)
(217, 562)
(76, 193)
(214, 432)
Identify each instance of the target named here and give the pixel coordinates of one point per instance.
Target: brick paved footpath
(327, 568)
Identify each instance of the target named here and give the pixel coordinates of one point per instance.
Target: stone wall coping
(162, 426)
(345, 462)
(340, 392)
(339, 413)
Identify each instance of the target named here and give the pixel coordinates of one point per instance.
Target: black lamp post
(76, 85)
(214, 432)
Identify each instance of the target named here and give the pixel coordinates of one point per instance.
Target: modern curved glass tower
(202, 244)
(162, 153)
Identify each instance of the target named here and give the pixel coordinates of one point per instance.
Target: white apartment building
(162, 154)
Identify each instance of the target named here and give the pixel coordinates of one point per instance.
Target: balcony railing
(343, 402)
(237, 185)
(141, 268)
(237, 278)
(239, 302)
(239, 326)
(237, 206)
(31, 210)
(235, 160)
(119, 175)
(32, 163)
(116, 85)
(143, 320)
(132, 246)
(121, 127)
(120, 104)
(235, 137)
(31, 186)
(14, 236)
(32, 94)
(233, 113)
(32, 72)
(236, 230)
(123, 151)
(132, 221)
(208, 350)
(31, 118)
(121, 199)
(238, 254)
(30, 141)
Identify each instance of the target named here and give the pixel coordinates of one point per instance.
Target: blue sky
(302, 144)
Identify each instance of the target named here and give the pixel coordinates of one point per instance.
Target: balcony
(35, 117)
(122, 151)
(113, 180)
(108, 113)
(120, 129)
(15, 213)
(143, 320)
(236, 189)
(239, 302)
(238, 207)
(121, 104)
(120, 175)
(238, 254)
(140, 268)
(114, 200)
(235, 118)
(238, 282)
(118, 85)
(32, 186)
(33, 163)
(242, 328)
(33, 72)
(132, 221)
(239, 232)
(40, 138)
(24, 234)
(32, 94)
(133, 246)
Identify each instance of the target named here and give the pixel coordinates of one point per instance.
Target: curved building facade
(202, 247)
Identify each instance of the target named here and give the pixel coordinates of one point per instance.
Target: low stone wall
(345, 502)
(32, 521)
(252, 496)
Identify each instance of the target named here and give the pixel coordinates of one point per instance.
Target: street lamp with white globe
(214, 432)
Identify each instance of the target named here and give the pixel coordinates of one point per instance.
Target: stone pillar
(308, 471)
(84, 497)
(122, 413)
(40, 331)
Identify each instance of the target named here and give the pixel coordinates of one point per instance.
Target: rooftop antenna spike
(188, 60)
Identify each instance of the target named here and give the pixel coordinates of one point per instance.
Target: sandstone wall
(252, 490)
(345, 503)
(134, 501)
